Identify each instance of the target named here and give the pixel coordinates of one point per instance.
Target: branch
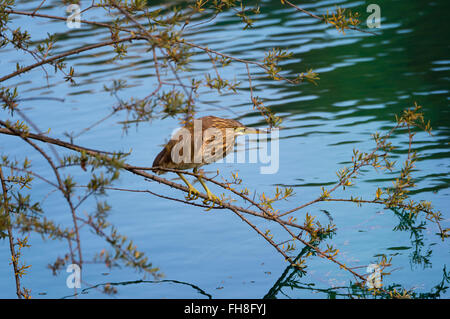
(67, 53)
(61, 186)
(322, 19)
(135, 170)
(7, 217)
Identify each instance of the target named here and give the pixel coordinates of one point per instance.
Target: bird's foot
(193, 193)
(213, 199)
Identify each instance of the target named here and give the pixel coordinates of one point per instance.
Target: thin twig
(65, 54)
(7, 218)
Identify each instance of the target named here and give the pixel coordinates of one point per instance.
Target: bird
(200, 142)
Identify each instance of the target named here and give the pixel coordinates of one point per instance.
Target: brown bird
(200, 142)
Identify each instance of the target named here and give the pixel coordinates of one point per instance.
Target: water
(364, 81)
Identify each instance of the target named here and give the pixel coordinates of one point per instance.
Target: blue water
(364, 81)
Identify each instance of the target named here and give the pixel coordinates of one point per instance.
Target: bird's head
(243, 130)
(238, 127)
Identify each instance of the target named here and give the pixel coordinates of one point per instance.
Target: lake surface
(364, 81)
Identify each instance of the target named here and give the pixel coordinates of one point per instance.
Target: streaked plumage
(208, 146)
(206, 152)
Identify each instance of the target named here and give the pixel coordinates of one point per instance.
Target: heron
(200, 142)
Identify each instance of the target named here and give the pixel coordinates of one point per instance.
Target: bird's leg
(213, 198)
(192, 189)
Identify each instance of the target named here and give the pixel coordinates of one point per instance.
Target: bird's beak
(251, 130)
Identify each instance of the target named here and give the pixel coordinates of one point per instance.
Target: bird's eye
(239, 130)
